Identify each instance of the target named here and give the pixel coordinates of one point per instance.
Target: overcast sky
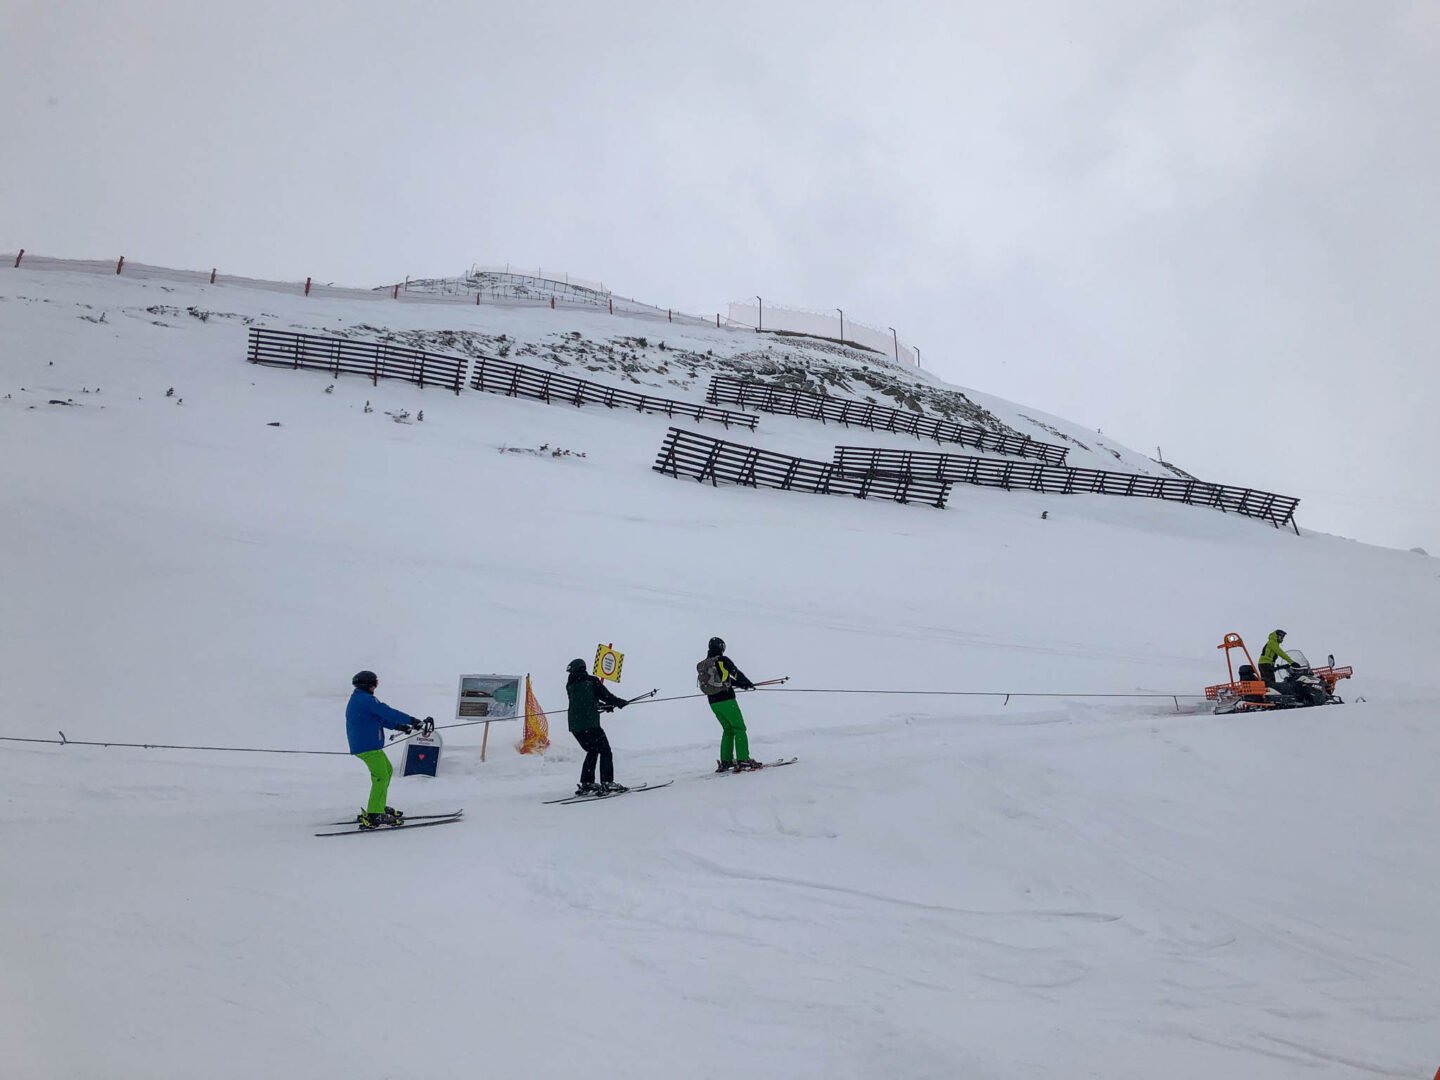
(1209, 227)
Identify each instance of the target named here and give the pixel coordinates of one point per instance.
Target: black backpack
(709, 677)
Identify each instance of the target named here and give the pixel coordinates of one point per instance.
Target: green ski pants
(380, 773)
(734, 743)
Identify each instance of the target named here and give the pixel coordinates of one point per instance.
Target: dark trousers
(596, 745)
(1267, 675)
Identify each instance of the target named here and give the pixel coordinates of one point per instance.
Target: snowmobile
(1297, 684)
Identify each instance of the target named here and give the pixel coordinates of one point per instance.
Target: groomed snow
(941, 887)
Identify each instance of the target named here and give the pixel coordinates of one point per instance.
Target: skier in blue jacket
(366, 718)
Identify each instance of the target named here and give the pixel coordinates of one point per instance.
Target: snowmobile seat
(1247, 674)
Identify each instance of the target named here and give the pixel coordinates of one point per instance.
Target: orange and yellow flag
(537, 728)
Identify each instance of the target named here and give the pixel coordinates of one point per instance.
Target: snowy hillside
(943, 886)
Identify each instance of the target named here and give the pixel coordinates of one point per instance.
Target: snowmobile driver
(718, 677)
(1269, 655)
(588, 697)
(366, 719)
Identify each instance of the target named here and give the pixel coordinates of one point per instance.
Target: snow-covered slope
(943, 886)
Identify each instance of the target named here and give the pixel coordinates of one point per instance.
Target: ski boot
(610, 787)
(587, 789)
(388, 816)
(724, 766)
(748, 765)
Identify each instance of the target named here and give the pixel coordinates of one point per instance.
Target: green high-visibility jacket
(1272, 650)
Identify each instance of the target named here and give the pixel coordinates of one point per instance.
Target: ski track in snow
(734, 872)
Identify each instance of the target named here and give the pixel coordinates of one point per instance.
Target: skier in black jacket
(588, 697)
(718, 677)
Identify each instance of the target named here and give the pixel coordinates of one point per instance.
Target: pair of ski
(599, 796)
(569, 799)
(411, 821)
(757, 768)
(422, 821)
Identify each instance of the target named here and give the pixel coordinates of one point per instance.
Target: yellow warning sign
(608, 662)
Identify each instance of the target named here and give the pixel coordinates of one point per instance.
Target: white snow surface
(940, 887)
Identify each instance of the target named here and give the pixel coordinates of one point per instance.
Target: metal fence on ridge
(831, 325)
(570, 293)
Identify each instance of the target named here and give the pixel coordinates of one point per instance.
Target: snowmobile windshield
(1298, 658)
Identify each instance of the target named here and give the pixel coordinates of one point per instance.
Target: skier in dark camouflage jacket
(588, 697)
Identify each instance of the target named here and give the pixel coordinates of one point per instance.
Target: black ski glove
(621, 703)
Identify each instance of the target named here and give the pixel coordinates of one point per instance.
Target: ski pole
(629, 701)
(771, 682)
(646, 699)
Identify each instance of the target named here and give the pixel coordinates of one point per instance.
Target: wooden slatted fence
(786, 401)
(341, 356)
(1279, 510)
(379, 360)
(518, 380)
(701, 457)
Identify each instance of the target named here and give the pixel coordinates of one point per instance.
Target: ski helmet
(366, 680)
(576, 667)
(717, 645)
(1280, 634)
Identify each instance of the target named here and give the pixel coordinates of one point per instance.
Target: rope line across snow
(63, 740)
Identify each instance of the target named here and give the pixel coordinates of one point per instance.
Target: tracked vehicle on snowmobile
(1297, 684)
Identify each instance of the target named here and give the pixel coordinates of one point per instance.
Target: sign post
(487, 697)
(608, 662)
